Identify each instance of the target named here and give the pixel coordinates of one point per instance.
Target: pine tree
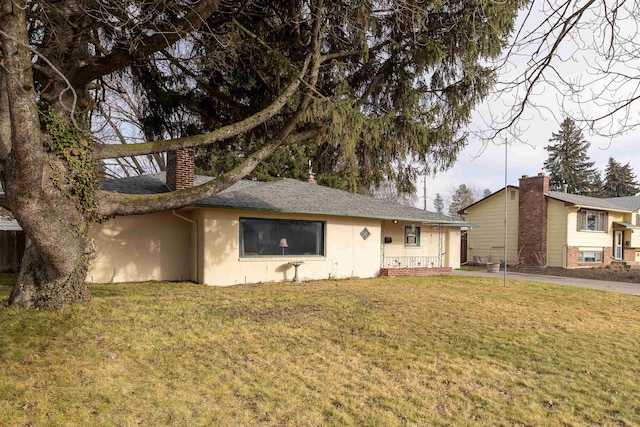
(462, 198)
(597, 187)
(438, 204)
(619, 180)
(568, 162)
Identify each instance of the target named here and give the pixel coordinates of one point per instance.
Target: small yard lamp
(283, 244)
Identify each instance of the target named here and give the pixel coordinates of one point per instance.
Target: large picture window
(273, 237)
(592, 220)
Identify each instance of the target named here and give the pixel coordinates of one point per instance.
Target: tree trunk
(37, 288)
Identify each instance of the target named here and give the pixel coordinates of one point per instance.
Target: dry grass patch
(415, 351)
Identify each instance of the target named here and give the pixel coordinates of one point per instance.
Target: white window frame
(591, 257)
(412, 236)
(592, 220)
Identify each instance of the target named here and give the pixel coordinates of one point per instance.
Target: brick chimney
(532, 220)
(180, 169)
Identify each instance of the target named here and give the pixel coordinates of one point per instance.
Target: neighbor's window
(592, 220)
(273, 237)
(412, 236)
(590, 256)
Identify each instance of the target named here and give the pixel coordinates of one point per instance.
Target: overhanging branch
(117, 150)
(131, 204)
(161, 39)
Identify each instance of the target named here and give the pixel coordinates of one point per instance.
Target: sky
(482, 165)
(486, 168)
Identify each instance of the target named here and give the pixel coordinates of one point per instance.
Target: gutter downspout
(184, 218)
(381, 245)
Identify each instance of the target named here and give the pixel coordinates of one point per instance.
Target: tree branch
(225, 132)
(128, 204)
(161, 39)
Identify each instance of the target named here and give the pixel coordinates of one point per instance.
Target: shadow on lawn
(7, 281)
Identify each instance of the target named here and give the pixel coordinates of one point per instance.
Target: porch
(413, 266)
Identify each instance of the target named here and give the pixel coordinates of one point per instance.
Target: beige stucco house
(253, 231)
(553, 228)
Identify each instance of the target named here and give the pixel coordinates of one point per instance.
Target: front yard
(416, 351)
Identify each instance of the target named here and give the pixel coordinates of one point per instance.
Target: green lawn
(404, 351)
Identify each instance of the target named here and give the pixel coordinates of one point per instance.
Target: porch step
(634, 265)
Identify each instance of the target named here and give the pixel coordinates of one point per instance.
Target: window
(592, 220)
(273, 237)
(412, 236)
(512, 193)
(589, 256)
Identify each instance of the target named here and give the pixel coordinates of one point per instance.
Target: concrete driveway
(621, 287)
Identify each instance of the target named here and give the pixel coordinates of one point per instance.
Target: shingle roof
(594, 202)
(631, 203)
(625, 225)
(5, 215)
(10, 225)
(286, 195)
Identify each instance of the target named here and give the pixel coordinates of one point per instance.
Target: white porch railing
(411, 261)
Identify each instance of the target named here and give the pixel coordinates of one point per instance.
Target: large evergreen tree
(438, 204)
(370, 85)
(568, 163)
(461, 198)
(619, 180)
(597, 186)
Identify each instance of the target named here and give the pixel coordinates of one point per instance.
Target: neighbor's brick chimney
(180, 169)
(532, 220)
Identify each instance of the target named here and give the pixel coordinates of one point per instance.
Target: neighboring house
(553, 228)
(252, 231)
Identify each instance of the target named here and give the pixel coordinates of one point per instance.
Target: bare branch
(161, 39)
(111, 151)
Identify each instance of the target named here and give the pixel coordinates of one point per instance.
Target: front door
(618, 236)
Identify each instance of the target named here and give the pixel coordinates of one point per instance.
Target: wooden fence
(11, 250)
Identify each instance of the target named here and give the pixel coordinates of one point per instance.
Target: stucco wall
(142, 247)
(432, 239)
(429, 236)
(486, 238)
(452, 247)
(346, 253)
(162, 246)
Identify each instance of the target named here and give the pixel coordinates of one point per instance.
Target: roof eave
(443, 222)
(585, 206)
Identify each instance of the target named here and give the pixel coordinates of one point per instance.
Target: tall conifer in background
(438, 204)
(463, 197)
(568, 162)
(619, 180)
